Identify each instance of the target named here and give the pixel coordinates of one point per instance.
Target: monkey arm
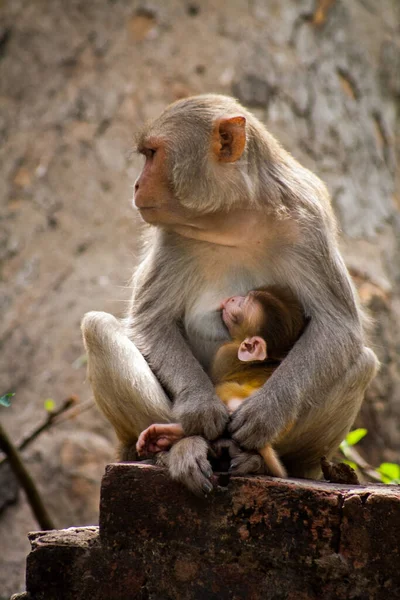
(195, 404)
(331, 344)
(154, 324)
(302, 379)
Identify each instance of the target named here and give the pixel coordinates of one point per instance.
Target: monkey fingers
(188, 464)
(248, 463)
(202, 416)
(251, 425)
(158, 437)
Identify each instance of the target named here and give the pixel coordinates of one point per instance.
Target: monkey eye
(149, 152)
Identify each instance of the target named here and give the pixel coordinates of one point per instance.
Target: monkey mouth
(229, 318)
(148, 214)
(226, 320)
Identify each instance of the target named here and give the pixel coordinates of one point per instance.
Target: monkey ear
(254, 348)
(229, 138)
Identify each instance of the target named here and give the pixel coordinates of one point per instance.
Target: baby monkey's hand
(158, 438)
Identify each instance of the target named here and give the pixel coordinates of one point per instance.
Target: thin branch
(50, 418)
(26, 481)
(69, 408)
(73, 412)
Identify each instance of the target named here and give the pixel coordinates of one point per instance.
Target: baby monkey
(264, 326)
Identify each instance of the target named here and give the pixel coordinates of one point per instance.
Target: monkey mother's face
(153, 195)
(187, 150)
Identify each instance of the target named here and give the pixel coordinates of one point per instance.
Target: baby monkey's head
(267, 323)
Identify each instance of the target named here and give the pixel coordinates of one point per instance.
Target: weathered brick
(253, 538)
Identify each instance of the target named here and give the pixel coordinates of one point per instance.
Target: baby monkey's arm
(159, 437)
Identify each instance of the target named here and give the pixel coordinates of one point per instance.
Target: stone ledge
(253, 538)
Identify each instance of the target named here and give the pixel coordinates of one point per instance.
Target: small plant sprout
(6, 399)
(386, 473)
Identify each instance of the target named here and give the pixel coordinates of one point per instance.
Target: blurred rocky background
(77, 78)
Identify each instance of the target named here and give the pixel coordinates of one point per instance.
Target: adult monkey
(232, 212)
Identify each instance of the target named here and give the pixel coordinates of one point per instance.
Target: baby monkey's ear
(253, 348)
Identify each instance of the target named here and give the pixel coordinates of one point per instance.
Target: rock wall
(253, 539)
(76, 79)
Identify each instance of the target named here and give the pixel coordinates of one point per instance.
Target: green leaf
(390, 472)
(353, 437)
(6, 399)
(49, 405)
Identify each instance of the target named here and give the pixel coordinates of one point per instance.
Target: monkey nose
(136, 186)
(232, 301)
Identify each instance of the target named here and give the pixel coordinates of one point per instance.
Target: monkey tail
(272, 461)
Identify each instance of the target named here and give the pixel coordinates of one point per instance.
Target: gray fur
(174, 320)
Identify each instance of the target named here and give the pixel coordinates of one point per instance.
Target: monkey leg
(124, 387)
(130, 396)
(319, 431)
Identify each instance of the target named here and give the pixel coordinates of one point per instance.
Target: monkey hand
(158, 438)
(202, 417)
(254, 424)
(187, 463)
(225, 445)
(245, 463)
